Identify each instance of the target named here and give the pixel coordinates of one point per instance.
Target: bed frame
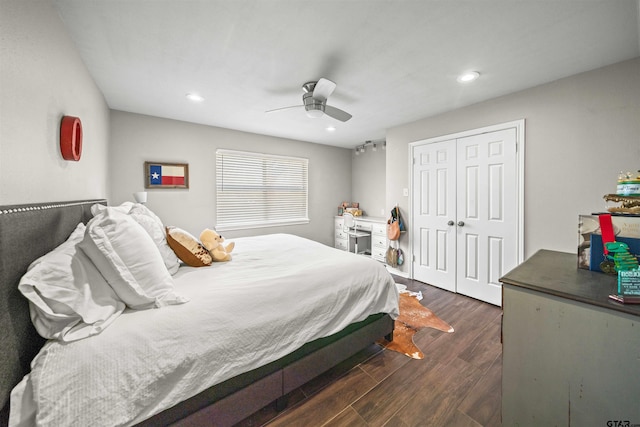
(30, 231)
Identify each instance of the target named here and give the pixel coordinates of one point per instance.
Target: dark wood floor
(458, 383)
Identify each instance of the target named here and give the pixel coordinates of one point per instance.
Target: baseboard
(397, 272)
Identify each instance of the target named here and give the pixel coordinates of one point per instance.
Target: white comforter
(278, 292)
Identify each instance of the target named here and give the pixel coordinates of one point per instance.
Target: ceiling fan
(314, 100)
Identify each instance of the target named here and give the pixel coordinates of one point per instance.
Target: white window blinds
(260, 190)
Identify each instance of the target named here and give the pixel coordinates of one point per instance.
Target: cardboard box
(590, 249)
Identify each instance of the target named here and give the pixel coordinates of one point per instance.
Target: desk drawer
(363, 225)
(378, 241)
(379, 228)
(379, 254)
(340, 234)
(342, 244)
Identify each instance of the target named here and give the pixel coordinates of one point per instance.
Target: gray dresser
(571, 356)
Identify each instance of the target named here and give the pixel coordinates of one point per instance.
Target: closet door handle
(451, 223)
(461, 223)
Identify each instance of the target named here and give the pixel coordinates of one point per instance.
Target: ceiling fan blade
(323, 89)
(284, 108)
(336, 113)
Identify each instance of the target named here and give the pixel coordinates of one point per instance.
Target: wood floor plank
(395, 422)
(347, 418)
(439, 398)
(328, 402)
(483, 350)
(460, 419)
(451, 306)
(483, 402)
(383, 401)
(384, 364)
(471, 324)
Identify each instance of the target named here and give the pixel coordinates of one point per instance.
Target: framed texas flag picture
(166, 175)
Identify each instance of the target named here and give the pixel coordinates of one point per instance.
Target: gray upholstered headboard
(26, 233)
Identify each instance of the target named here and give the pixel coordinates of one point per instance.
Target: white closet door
(434, 211)
(486, 213)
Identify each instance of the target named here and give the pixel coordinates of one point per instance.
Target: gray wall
(42, 79)
(137, 138)
(369, 174)
(580, 132)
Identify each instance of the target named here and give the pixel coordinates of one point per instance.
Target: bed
(198, 387)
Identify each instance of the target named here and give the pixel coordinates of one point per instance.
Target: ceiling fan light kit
(315, 113)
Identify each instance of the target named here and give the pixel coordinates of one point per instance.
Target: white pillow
(99, 208)
(68, 297)
(152, 225)
(129, 259)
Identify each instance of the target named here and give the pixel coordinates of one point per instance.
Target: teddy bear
(213, 242)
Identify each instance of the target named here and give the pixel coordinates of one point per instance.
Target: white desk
(377, 244)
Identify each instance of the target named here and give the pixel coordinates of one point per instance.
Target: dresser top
(557, 273)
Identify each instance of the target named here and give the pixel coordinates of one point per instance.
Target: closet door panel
(486, 213)
(434, 210)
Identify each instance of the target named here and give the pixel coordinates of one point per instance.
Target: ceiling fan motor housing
(312, 105)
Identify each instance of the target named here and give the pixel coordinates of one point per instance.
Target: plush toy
(623, 259)
(213, 242)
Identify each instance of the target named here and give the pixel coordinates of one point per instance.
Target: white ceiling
(394, 61)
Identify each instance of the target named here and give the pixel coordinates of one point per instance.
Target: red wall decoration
(71, 138)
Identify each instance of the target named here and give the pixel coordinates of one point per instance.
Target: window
(260, 190)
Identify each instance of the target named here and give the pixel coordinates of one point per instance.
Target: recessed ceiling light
(195, 97)
(331, 128)
(468, 77)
